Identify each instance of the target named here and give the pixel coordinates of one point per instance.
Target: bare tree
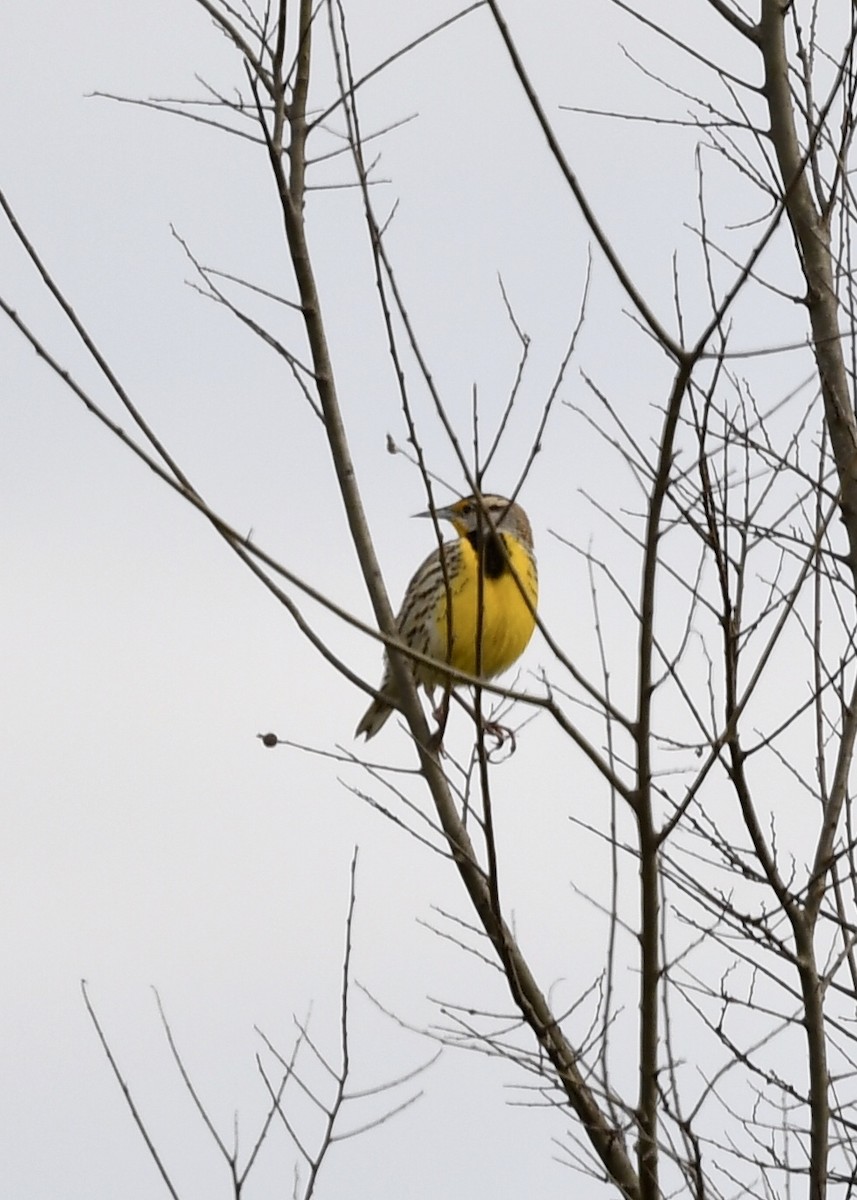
(736, 572)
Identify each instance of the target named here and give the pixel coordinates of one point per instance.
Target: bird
(493, 538)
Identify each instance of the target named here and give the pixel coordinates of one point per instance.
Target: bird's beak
(442, 514)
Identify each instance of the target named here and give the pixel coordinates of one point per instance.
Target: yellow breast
(508, 619)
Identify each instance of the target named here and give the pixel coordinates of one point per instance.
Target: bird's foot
(502, 733)
(441, 715)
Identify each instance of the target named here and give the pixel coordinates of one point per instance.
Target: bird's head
(475, 513)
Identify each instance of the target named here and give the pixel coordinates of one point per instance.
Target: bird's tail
(374, 717)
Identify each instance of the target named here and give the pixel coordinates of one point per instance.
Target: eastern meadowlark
(494, 540)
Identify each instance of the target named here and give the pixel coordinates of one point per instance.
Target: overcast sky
(148, 839)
